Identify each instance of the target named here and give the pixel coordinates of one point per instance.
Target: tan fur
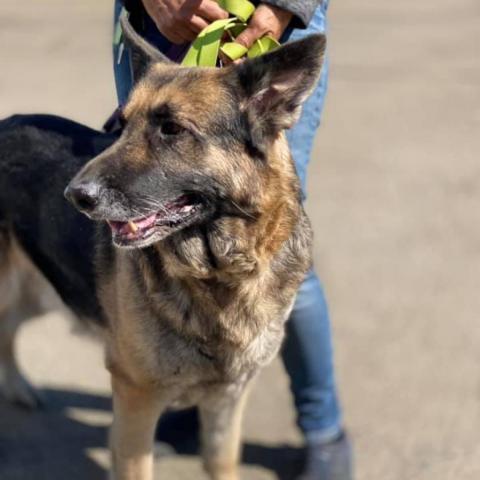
(24, 293)
(136, 411)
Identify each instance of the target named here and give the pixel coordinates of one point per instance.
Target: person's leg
(308, 358)
(307, 352)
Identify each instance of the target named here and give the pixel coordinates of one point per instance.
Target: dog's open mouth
(142, 231)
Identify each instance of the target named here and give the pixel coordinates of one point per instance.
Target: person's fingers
(211, 11)
(266, 20)
(197, 24)
(187, 33)
(181, 34)
(249, 35)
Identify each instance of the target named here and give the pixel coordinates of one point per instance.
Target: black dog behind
(40, 154)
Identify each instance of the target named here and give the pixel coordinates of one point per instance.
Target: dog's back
(39, 154)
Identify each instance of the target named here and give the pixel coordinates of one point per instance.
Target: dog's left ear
(276, 84)
(143, 54)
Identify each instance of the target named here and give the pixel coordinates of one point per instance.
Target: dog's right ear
(142, 53)
(273, 86)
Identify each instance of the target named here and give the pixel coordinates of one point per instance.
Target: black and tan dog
(210, 240)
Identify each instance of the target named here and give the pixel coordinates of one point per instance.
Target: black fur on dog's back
(39, 155)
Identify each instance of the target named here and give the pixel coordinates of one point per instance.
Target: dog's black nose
(84, 196)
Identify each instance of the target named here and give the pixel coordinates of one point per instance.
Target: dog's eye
(167, 127)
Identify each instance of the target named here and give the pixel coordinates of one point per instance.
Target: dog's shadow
(51, 443)
(179, 432)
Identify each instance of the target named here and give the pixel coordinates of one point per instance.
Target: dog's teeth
(132, 226)
(187, 208)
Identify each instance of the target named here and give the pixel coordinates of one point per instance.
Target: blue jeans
(307, 352)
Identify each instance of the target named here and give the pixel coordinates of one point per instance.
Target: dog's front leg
(221, 418)
(136, 411)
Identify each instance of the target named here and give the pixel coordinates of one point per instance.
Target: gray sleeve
(302, 9)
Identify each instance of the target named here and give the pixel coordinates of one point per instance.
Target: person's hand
(182, 20)
(267, 20)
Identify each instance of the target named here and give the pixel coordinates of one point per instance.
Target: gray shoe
(328, 461)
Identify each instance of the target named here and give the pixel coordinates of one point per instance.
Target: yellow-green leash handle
(242, 9)
(206, 47)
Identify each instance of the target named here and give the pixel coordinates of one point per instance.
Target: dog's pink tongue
(145, 222)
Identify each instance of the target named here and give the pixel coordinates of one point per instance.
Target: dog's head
(198, 142)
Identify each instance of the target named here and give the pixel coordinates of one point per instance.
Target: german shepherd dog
(191, 247)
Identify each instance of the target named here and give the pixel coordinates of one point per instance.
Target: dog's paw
(17, 390)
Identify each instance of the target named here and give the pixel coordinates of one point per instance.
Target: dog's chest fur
(186, 335)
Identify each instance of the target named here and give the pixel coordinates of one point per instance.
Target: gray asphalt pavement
(394, 200)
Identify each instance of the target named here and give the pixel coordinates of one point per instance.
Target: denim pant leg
(307, 352)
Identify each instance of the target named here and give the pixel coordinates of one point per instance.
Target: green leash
(205, 49)
(209, 43)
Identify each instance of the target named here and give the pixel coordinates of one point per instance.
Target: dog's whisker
(238, 207)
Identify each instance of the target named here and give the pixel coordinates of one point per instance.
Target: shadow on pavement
(178, 432)
(49, 443)
(283, 460)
